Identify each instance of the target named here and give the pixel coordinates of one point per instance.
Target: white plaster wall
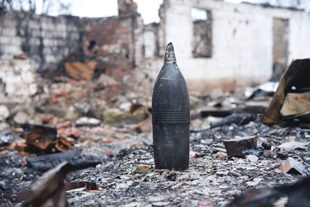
(242, 43)
(299, 37)
(149, 44)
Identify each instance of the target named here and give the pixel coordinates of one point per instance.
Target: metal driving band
(171, 117)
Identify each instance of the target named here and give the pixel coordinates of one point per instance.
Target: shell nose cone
(169, 47)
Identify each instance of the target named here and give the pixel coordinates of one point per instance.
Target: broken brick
(63, 124)
(237, 145)
(75, 133)
(145, 126)
(292, 166)
(110, 154)
(47, 117)
(142, 169)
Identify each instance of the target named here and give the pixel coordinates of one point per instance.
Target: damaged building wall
(51, 42)
(17, 81)
(43, 38)
(242, 42)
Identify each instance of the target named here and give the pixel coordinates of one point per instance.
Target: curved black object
(170, 116)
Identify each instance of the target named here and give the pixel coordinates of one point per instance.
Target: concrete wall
(242, 39)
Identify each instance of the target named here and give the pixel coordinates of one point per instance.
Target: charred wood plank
(240, 119)
(47, 162)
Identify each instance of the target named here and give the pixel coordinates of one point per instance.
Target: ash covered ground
(213, 179)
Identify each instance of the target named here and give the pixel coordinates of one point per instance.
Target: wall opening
(280, 47)
(202, 32)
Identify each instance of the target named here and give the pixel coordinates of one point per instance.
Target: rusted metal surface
(18, 197)
(37, 139)
(294, 79)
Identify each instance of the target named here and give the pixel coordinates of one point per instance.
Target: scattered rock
(251, 158)
(21, 117)
(254, 182)
(266, 145)
(4, 112)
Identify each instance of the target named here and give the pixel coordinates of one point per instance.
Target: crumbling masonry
(233, 46)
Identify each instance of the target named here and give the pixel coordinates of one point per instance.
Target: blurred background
(222, 47)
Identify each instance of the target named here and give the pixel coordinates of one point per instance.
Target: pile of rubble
(216, 174)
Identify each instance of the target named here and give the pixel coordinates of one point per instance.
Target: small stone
(110, 154)
(4, 112)
(122, 135)
(254, 182)
(3, 186)
(21, 117)
(251, 158)
(221, 155)
(291, 145)
(268, 153)
(142, 169)
(266, 145)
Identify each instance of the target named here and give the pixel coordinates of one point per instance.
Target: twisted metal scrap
(50, 189)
